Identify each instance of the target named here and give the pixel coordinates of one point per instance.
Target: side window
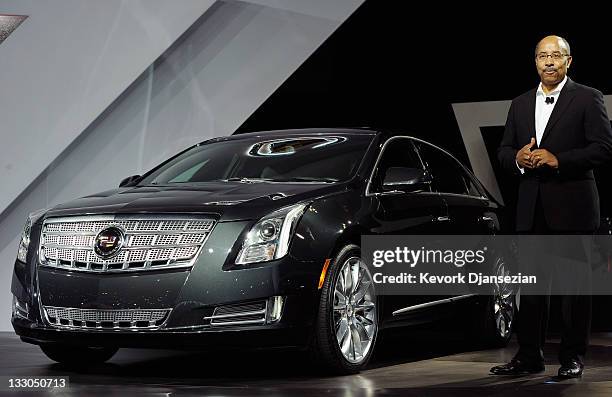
(399, 152)
(448, 176)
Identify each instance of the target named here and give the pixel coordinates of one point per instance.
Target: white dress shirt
(543, 111)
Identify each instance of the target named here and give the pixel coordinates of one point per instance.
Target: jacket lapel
(531, 100)
(565, 98)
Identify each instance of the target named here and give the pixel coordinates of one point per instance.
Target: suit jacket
(578, 133)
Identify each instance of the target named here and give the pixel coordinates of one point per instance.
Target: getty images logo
(412, 257)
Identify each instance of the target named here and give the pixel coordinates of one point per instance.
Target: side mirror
(129, 180)
(406, 179)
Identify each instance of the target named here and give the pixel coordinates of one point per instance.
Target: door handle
(442, 219)
(485, 219)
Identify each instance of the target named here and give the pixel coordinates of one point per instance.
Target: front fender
(329, 223)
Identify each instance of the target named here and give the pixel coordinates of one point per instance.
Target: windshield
(318, 159)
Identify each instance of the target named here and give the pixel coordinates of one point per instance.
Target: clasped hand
(527, 158)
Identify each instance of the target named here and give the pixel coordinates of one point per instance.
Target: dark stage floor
(402, 367)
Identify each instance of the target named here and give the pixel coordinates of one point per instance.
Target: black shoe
(518, 367)
(571, 369)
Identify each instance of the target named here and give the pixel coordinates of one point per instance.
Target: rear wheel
(71, 355)
(347, 322)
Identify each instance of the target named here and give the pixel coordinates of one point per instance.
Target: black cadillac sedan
(250, 240)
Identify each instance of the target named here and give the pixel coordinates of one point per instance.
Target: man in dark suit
(555, 135)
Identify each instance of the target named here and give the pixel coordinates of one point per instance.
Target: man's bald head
(558, 40)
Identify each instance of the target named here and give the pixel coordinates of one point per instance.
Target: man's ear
(569, 61)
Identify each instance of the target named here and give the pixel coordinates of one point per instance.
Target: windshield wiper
(246, 180)
(308, 179)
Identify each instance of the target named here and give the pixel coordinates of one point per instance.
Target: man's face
(552, 61)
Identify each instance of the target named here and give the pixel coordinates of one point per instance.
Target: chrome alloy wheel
(503, 301)
(354, 313)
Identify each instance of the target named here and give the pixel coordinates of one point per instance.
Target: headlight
(24, 242)
(269, 238)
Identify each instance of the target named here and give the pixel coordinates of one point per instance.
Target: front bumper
(192, 295)
(289, 332)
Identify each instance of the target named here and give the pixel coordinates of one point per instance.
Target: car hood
(230, 201)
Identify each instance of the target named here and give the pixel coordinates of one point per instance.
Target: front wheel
(71, 355)
(347, 322)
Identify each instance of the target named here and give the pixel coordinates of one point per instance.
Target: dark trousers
(534, 311)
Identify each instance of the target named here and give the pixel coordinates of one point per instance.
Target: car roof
(297, 132)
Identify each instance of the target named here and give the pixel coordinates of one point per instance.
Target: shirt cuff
(519, 167)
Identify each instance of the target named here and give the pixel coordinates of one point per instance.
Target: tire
(71, 355)
(352, 324)
(495, 318)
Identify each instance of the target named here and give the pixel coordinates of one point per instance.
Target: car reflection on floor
(404, 365)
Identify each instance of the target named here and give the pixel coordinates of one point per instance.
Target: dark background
(391, 65)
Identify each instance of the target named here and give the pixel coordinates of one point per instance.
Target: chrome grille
(167, 239)
(137, 256)
(68, 317)
(141, 239)
(192, 238)
(150, 242)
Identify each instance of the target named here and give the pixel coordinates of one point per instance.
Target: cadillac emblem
(109, 241)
